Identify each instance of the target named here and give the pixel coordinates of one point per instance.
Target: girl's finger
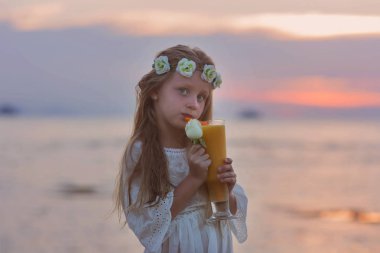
(206, 163)
(205, 156)
(200, 152)
(195, 148)
(228, 175)
(228, 160)
(225, 168)
(231, 180)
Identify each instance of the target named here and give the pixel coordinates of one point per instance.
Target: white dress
(188, 232)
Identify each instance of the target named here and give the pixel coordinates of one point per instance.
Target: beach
(312, 185)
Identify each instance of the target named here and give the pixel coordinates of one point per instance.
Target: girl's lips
(203, 123)
(187, 116)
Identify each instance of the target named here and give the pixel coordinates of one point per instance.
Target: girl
(161, 182)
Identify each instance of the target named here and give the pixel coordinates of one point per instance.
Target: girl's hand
(199, 162)
(226, 174)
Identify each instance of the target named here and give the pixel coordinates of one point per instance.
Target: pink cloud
(308, 91)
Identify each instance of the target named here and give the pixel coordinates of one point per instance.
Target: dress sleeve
(239, 226)
(149, 223)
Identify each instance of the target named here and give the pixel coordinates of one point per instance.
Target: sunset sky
(85, 56)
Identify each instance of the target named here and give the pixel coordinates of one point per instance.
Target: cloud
(219, 8)
(160, 21)
(92, 70)
(312, 25)
(34, 17)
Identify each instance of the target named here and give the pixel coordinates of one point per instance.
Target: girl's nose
(193, 104)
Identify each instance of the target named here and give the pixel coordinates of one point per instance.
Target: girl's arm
(198, 163)
(183, 193)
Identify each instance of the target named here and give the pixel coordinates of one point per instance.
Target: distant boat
(249, 114)
(8, 110)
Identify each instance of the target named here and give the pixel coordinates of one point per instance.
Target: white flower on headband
(210, 75)
(218, 81)
(161, 65)
(186, 67)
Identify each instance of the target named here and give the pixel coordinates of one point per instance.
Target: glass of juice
(214, 135)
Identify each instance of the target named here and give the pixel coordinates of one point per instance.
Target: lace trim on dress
(162, 219)
(175, 150)
(151, 224)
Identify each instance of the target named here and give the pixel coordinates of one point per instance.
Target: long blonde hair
(152, 166)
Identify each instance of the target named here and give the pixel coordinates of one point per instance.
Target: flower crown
(186, 68)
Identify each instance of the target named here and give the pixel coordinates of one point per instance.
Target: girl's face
(181, 97)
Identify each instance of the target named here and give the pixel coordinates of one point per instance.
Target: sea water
(312, 185)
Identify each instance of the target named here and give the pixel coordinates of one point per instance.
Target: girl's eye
(201, 98)
(183, 91)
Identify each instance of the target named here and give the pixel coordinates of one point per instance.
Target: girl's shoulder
(136, 145)
(135, 148)
(133, 153)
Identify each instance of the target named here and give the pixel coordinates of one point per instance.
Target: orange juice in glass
(214, 135)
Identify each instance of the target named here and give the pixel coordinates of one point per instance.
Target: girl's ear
(154, 95)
